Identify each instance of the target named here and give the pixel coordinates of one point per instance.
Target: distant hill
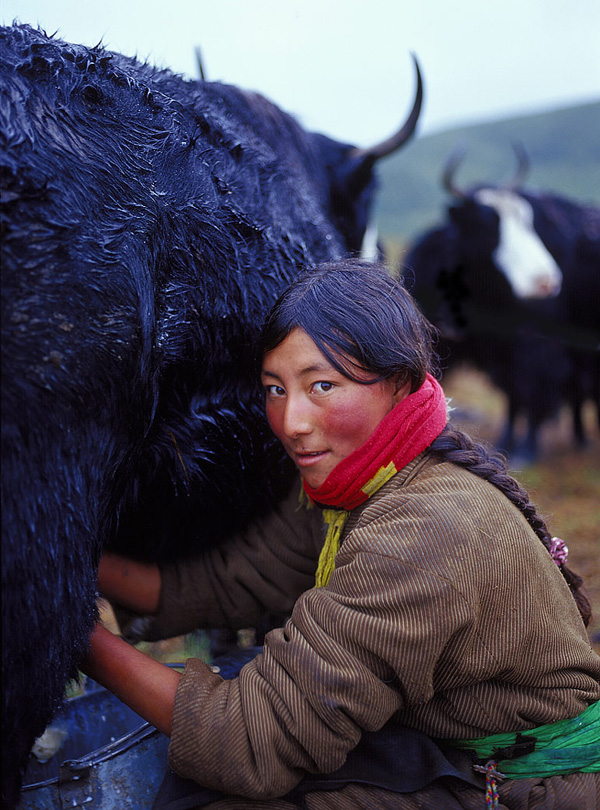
(563, 148)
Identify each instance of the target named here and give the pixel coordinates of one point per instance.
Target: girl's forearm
(132, 584)
(145, 685)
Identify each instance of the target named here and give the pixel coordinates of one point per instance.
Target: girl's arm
(145, 685)
(129, 583)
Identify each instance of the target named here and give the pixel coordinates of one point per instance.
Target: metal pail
(109, 758)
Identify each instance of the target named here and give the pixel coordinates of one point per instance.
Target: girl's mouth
(307, 459)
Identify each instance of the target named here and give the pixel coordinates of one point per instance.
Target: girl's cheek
(343, 418)
(274, 419)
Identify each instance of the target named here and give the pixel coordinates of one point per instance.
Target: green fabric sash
(567, 746)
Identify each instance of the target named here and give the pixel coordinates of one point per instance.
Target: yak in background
(512, 280)
(148, 223)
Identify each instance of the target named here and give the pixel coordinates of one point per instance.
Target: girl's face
(319, 415)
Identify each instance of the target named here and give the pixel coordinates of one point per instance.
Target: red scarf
(407, 430)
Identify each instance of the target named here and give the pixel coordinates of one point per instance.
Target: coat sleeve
(262, 569)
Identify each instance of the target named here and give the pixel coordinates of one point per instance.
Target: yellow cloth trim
(382, 475)
(335, 519)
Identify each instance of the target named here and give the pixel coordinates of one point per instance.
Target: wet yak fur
(540, 353)
(148, 222)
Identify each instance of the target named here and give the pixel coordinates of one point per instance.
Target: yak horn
(522, 167)
(455, 159)
(200, 64)
(374, 153)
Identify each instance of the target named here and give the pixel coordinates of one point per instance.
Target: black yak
(512, 280)
(148, 222)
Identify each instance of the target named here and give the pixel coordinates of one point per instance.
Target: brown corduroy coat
(444, 611)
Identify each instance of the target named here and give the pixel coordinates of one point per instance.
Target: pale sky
(343, 67)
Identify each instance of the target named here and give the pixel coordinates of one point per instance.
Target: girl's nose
(296, 420)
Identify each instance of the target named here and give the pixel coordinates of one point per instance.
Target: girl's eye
(322, 387)
(274, 391)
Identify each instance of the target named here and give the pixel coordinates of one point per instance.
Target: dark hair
(361, 317)
(339, 306)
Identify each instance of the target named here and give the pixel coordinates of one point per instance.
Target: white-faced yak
(512, 280)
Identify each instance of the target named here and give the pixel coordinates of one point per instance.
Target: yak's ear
(355, 172)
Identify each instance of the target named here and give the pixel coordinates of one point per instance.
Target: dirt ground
(564, 484)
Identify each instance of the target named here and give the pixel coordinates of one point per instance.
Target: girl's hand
(145, 685)
(129, 583)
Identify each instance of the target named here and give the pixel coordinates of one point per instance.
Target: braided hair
(459, 448)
